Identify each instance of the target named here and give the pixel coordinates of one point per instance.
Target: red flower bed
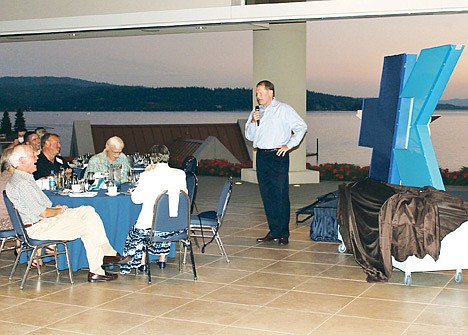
(455, 177)
(215, 167)
(341, 172)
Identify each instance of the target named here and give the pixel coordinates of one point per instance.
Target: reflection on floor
(305, 287)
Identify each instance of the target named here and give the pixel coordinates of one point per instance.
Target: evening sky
(344, 57)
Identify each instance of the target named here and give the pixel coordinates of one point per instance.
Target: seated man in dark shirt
(49, 159)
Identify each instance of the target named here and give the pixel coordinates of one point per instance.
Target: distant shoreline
(217, 112)
(61, 94)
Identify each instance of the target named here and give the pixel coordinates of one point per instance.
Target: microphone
(257, 109)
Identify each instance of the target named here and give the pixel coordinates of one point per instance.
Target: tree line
(69, 94)
(5, 124)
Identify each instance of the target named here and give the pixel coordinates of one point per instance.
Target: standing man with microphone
(275, 128)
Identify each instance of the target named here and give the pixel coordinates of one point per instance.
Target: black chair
(30, 246)
(206, 225)
(190, 164)
(163, 222)
(192, 187)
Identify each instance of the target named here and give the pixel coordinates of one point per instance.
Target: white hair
(115, 142)
(20, 151)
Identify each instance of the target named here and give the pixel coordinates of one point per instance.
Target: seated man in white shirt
(44, 222)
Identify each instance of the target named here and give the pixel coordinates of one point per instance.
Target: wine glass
(91, 178)
(131, 176)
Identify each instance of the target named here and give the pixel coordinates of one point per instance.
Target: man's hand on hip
(282, 150)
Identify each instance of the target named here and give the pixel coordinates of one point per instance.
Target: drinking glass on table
(91, 178)
(137, 177)
(68, 173)
(131, 176)
(118, 173)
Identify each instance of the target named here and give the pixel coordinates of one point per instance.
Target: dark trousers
(273, 180)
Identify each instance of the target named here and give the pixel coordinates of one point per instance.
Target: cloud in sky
(344, 57)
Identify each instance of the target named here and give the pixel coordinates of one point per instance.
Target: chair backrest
(192, 187)
(190, 164)
(162, 222)
(15, 219)
(224, 200)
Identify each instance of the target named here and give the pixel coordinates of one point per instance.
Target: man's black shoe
(267, 238)
(117, 259)
(94, 278)
(283, 241)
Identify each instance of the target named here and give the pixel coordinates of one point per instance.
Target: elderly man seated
(112, 156)
(44, 222)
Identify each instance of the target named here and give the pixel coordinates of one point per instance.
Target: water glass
(131, 176)
(91, 178)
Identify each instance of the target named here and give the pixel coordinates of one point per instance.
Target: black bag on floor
(324, 227)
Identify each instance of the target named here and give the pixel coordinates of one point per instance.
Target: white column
(279, 55)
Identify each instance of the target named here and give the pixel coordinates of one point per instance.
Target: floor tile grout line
(338, 311)
(427, 306)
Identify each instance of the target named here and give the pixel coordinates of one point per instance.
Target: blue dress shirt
(279, 125)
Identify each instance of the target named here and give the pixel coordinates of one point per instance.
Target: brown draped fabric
(379, 220)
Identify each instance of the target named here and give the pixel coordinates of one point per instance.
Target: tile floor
(306, 287)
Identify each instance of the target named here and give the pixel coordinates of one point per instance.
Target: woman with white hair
(111, 156)
(156, 178)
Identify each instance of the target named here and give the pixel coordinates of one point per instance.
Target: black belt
(268, 150)
(27, 225)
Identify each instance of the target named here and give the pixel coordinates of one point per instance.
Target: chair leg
(180, 252)
(15, 265)
(30, 261)
(56, 259)
(221, 247)
(148, 266)
(67, 254)
(185, 254)
(3, 245)
(223, 250)
(195, 239)
(216, 238)
(192, 259)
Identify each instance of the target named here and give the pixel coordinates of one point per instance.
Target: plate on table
(113, 194)
(82, 194)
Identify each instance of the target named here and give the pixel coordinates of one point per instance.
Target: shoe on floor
(117, 259)
(143, 268)
(94, 278)
(283, 240)
(267, 238)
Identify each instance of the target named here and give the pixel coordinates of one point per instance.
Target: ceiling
(29, 20)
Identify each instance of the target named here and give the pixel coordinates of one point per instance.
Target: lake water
(337, 132)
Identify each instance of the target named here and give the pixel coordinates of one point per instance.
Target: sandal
(50, 249)
(34, 265)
